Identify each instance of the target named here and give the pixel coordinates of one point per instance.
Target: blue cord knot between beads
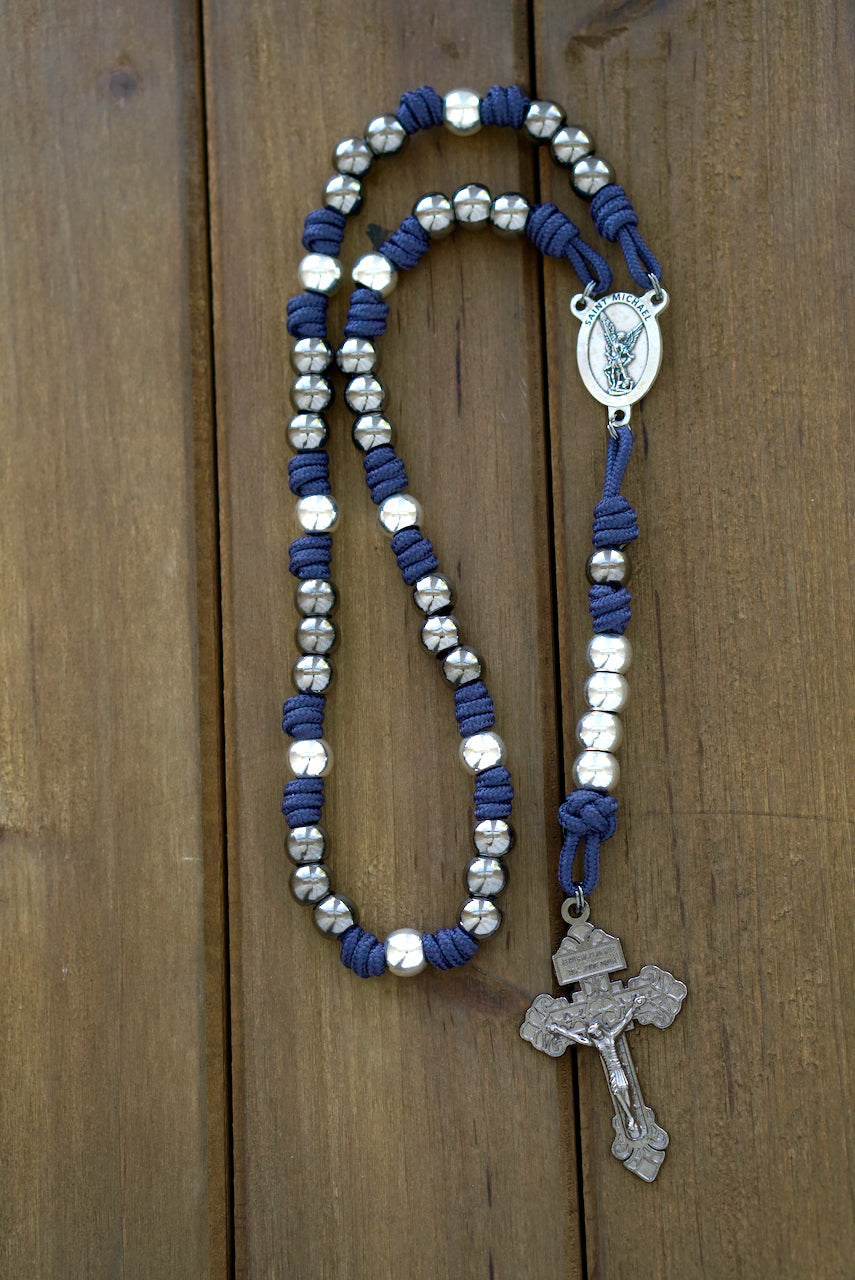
(590, 816)
(504, 105)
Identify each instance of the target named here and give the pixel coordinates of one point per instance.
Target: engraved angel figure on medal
(599, 1014)
(619, 348)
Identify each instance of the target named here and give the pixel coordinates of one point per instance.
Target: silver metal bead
(570, 144)
(493, 837)
(432, 593)
(405, 953)
(597, 770)
(509, 213)
(398, 512)
(440, 632)
(312, 673)
(608, 565)
(310, 757)
(306, 431)
(482, 751)
(606, 691)
(306, 844)
(311, 393)
(435, 213)
(472, 205)
(609, 653)
(311, 882)
(461, 666)
(374, 271)
(316, 635)
(311, 355)
(371, 430)
(544, 119)
(315, 597)
(365, 393)
(343, 192)
(461, 111)
(385, 135)
(590, 174)
(599, 731)
(335, 914)
(319, 273)
(357, 355)
(480, 917)
(486, 877)
(317, 513)
(353, 156)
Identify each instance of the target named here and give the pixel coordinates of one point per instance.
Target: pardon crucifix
(599, 1014)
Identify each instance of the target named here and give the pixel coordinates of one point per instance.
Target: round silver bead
(606, 691)
(480, 917)
(316, 635)
(311, 393)
(597, 770)
(356, 355)
(374, 271)
(312, 673)
(311, 355)
(599, 731)
(432, 593)
(310, 757)
(461, 111)
(570, 144)
(306, 431)
(306, 844)
(543, 120)
(315, 597)
(371, 430)
(493, 837)
(435, 213)
(399, 511)
(590, 174)
(343, 192)
(365, 393)
(608, 565)
(482, 751)
(385, 135)
(352, 156)
(405, 953)
(472, 205)
(335, 914)
(440, 632)
(486, 877)
(461, 666)
(317, 513)
(310, 882)
(319, 273)
(509, 213)
(609, 653)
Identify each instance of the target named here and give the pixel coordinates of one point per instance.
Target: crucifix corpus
(599, 1014)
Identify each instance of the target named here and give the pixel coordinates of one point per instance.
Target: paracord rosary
(618, 353)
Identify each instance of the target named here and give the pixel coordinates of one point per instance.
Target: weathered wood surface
(109, 806)
(175, 1033)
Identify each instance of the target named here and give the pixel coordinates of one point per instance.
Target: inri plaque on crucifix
(599, 1014)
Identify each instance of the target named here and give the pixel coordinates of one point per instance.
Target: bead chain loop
(588, 813)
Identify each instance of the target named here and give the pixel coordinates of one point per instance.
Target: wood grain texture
(103, 1114)
(384, 1127)
(392, 1128)
(734, 862)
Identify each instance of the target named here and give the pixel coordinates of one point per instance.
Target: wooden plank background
(190, 1083)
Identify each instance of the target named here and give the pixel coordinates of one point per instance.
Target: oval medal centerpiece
(619, 348)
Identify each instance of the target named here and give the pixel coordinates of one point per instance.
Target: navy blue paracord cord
(587, 816)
